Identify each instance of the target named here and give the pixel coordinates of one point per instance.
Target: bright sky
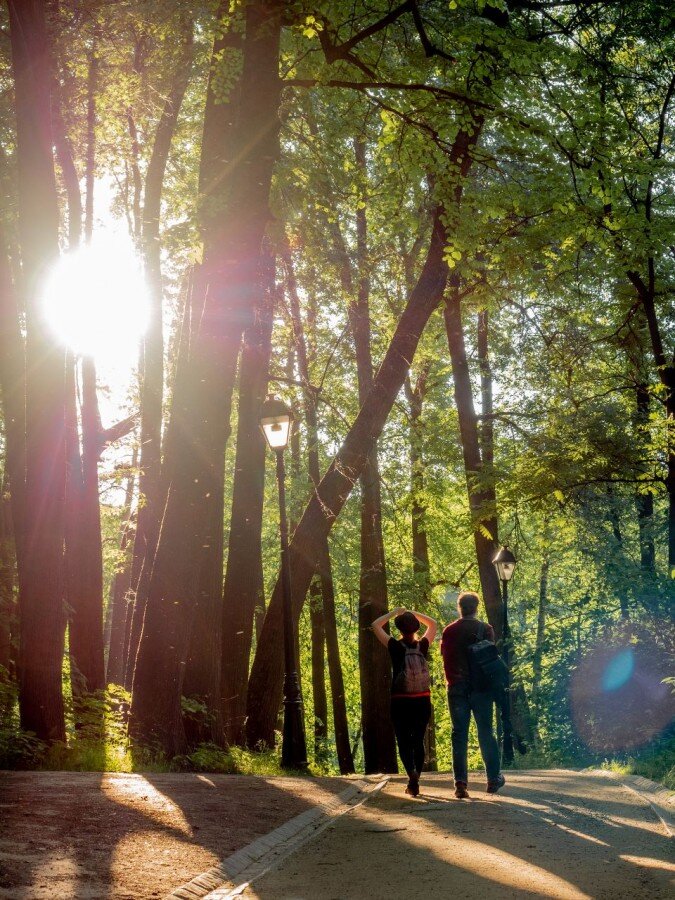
(96, 303)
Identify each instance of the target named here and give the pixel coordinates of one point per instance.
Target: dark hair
(468, 602)
(407, 623)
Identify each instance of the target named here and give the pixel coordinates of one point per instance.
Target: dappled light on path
(553, 834)
(132, 790)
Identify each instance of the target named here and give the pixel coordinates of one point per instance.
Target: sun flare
(96, 300)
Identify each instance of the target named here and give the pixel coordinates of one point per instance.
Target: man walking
(462, 700)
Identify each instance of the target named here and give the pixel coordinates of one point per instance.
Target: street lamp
(505, 563)
(275, 423)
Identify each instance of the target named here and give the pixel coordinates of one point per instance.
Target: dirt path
(88, 836)
(551, 834)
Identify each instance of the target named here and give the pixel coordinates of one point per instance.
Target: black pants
(410, 716)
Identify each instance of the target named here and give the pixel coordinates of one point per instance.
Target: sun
(96, 300)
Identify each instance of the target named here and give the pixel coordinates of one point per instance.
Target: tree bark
(151, 365)
(420, 544)
(243, 592)
(336, 485)
(538, 655)
(482, 504)
(120, 605)
(12, 393)
(8, 620)
(83, 543)
(224, 297)
(328, 621)
(379, 745)
(644, 503)
(41, 576)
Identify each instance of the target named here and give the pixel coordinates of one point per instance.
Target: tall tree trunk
(243, 592)
(335, 487)
(420, 544)
(226, 294)
(480, 490)
(41, 574)
(91, 616)
(324, 569)
(12, 394)
(319, 695)
(644, 503)
(615, 523)
(8, 620)
(379, 746)
(83, 544)
(646, 292)
(121, 586)
(538, 655)
(151, 365)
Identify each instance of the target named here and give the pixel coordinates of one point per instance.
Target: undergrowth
(97, 741)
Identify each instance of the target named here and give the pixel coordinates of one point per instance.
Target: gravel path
(553, 834)
(89, 836)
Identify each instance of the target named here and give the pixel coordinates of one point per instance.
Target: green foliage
(570, 196)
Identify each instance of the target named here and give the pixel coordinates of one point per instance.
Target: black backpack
(487, 670)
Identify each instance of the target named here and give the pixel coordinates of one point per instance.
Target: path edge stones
(231, 876)
(661, 800)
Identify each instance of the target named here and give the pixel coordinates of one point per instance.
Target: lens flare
(618, 670)
(618, 698)
(96, 301)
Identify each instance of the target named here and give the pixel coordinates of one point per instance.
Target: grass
(659, 767)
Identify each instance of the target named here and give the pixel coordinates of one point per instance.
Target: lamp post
(505, 563)
(275, 422)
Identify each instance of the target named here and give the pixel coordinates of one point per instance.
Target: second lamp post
(275, 422)
(505, 563)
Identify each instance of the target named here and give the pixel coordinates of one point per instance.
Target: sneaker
(460, 790)
(413, 787)
(494, 786)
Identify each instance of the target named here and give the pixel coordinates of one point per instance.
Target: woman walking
(410, 687)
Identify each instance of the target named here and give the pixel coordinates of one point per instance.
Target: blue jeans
(462, 703)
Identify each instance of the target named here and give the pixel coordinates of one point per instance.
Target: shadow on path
(548, 835)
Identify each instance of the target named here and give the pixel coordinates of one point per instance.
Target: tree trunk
(8, 620)
(243, 593)
(319, 695)
(480, 490)
(621, 579)
(644, 503)
(83, 544)
(41, 576)
(335, 487)
(420, 544)
(12, 393)
(225, 296)
(151, 366)
(120, 605)
(324, 570)
(538, 655)
(379, 745)
(646, 291)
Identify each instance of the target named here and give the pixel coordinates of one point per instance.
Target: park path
(554, 834)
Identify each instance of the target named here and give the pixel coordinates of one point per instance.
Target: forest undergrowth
(100, 743)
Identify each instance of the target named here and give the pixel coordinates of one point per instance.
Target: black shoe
(413, 788)
(460, 790)
(494, 786)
